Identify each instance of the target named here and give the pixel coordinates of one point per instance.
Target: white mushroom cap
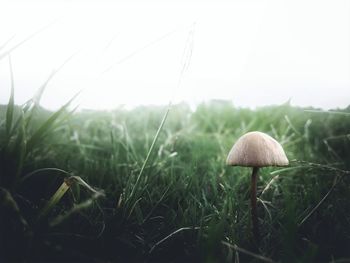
(257, 149)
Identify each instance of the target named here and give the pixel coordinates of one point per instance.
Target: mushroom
(256, 149)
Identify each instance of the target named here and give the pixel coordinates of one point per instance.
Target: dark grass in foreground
(187, 205)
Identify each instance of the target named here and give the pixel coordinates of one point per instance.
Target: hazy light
(251, 52)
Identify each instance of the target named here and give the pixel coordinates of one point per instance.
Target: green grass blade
(47, 125)
(24, 109)
(11, 103)
(21, 150)
(149, 153)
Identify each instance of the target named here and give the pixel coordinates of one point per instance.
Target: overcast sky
(251, 52)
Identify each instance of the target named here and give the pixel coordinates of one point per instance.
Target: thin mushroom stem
(254, 211)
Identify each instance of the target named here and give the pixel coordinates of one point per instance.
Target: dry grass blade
(80, 181)
(67, 183)
(283, 170)
(171, 235)
(269, 184)
(247, 252)
(55, 198)
(77, 208)
(335, 181)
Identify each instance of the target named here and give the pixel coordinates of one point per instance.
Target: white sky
(251, 52)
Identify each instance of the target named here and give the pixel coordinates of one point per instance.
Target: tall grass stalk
(137, 182)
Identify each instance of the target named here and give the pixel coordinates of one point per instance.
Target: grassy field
(133, 194)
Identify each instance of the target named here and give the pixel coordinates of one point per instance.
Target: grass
(152, 185)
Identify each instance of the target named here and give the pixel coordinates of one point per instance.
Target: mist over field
(131, 53)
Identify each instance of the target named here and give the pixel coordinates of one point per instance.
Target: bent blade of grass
(65, 186)
(80, 181)
(29, 175)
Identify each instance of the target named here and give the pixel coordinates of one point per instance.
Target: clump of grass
(182, 203)
(25, 142)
